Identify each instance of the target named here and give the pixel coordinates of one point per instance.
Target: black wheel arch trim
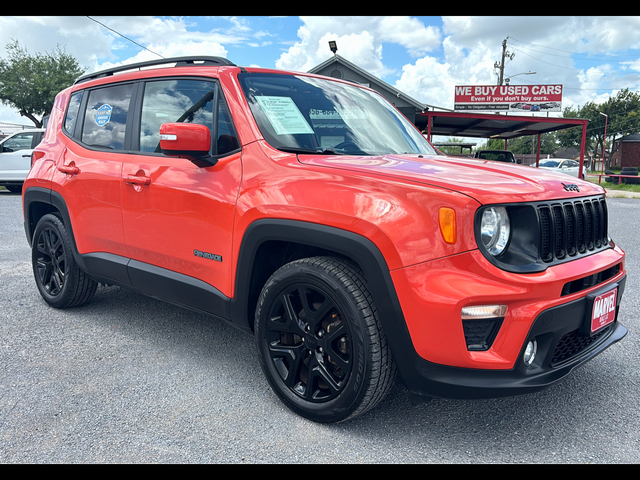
(49, 197)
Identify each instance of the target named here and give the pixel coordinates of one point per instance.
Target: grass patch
(614, 186)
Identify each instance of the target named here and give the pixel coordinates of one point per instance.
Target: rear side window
(72, 112)
(105, 117)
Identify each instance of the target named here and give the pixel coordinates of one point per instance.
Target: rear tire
(320, 342)
(59, 279)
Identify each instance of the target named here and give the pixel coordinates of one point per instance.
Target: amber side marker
(447, 219)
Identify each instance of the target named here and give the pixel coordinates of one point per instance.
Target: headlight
(495, 230)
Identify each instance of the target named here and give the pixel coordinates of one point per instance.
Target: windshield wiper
(312, 151)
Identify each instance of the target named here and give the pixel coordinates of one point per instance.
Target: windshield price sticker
(284, 115)
(604, 310)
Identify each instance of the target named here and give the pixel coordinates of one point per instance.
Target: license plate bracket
(602, 309)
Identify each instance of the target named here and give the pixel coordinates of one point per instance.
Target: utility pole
(500, 65)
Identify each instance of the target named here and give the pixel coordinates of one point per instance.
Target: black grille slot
(559, 231)
(596, 225)
(605, 221)
(590, 281)
(545, 234)
(581, 244)
(573, 228)
(588, 225)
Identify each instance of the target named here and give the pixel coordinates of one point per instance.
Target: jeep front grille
(571, 228)
(547, 233)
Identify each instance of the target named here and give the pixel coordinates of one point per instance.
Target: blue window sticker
(103, 114)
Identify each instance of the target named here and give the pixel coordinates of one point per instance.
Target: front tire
(60, 281)
(320, 342)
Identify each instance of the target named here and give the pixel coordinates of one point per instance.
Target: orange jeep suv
(309, 212)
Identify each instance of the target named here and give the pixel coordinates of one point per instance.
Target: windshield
(548, 163)
(312, 115)
(498, 156)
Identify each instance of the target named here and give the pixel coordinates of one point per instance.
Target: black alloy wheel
(309, 343)
(320, 342)
(59, 280)
(51, 264)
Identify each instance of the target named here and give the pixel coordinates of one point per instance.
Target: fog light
(530, 352)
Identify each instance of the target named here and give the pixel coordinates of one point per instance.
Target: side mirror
(187, 140)
(519, 162)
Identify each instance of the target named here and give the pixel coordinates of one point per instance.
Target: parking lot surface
(129, 379)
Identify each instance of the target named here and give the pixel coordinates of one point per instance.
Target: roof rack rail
(179, 62)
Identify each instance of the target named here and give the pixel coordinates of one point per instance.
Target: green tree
(529, 144)
(30, 83)
(526, 144)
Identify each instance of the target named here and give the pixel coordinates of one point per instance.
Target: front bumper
(560, 350)
(439, 364)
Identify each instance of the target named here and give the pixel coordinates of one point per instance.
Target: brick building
(628, 153)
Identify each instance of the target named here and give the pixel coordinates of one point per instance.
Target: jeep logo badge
(571, 187)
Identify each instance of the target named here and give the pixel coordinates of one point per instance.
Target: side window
(21, 141)
(105, 117)
(72, 112)
(227, 140)
(169, 101)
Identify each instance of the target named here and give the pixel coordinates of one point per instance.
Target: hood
(485, 181)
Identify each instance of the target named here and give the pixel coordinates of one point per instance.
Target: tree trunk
(36, 122)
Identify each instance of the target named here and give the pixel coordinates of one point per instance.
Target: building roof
(391, 91)
(629, 138)
(456, 124)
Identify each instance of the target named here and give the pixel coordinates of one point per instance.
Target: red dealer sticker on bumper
(604, 310)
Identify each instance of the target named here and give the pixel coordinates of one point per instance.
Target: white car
(15, 157)
(563, 165)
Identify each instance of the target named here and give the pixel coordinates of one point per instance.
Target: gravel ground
(129, 379)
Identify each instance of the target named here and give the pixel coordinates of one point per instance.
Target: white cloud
(359, 40)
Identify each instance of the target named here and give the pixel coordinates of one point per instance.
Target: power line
(571, 68)
(564, 87)
(607, 57)
(132, 41)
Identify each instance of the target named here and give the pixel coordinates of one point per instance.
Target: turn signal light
(476, 312)
(448, 224)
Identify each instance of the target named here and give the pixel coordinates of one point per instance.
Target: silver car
(564, 165)
(15, 157)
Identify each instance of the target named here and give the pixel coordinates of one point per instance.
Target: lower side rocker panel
(158, 283)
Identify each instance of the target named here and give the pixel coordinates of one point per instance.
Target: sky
(425, 57)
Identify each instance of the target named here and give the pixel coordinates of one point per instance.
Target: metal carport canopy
(496, 126)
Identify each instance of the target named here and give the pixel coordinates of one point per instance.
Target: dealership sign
(512, 98)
